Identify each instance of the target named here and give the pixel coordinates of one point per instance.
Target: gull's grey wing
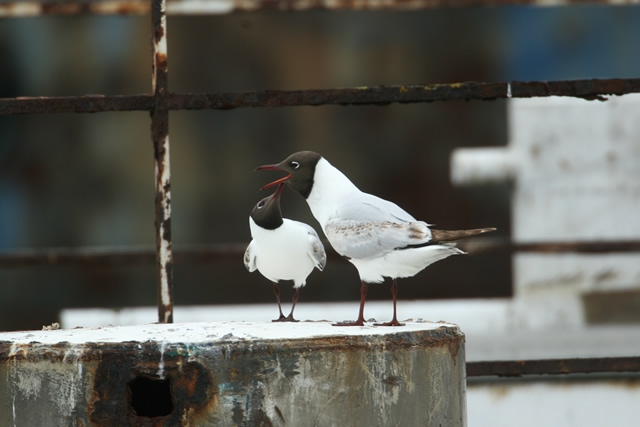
(250, 258)
(362, 239)
(316, 248)
(370, 208)
(317, 253)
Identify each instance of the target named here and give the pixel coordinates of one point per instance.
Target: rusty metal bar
(207, 254)
(78, 256)
(194, 7)
(375, 95)
(160, 136)
(488, 245)
(118, 256)
(25, 9)
(75, 104)
(586, 89)
(518, 368)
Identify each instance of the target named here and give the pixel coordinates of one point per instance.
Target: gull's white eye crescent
(260, 204)
(294, 165)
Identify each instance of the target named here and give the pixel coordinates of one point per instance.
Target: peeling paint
(163, 347)
(28, 384)
(13, 408)
(160, 137)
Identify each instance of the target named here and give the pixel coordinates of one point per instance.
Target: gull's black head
(301, 169)
(267, 213)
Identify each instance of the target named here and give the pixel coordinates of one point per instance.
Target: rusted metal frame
(207, 254)
(518, 368)
(78, 256)
(75, 104)
(586, 89)
(118, 256)
(195, 7)
(160, 137)
(488, 245)
(26, 9)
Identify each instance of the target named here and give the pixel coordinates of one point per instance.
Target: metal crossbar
(231, 251)
(518, 368)
(594, 89)
(192, 7)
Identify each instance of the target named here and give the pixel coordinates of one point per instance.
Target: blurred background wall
(87, 180)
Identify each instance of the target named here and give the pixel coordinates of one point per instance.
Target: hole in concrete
(151, 397)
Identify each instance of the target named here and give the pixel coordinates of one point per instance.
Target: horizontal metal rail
(490, 245)
(75, 104)
(110, 256)
(20, 9)
(518, 368)
(116, 256)
(591, 89)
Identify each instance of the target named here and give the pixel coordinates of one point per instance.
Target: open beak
(275, 195)
(276, 182)
(278, 191)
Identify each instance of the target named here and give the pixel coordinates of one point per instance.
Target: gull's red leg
(363, 298)
(290, 318)
(276, 290)
(394, 321)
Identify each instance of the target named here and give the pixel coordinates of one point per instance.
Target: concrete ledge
(477, 315)
(234, 373)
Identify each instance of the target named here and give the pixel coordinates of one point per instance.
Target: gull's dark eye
(294, 165)
(260, 204)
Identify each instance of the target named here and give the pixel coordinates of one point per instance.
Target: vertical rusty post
(160, 136)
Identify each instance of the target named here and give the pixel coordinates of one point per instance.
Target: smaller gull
(282, 249)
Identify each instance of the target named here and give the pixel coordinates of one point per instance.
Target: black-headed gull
(375, 235)
(282, 249)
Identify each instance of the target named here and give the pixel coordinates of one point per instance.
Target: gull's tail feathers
(438, 236)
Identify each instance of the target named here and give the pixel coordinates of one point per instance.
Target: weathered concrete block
(234, 374)
(575, 168)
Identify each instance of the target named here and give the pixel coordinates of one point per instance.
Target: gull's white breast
(289, 252)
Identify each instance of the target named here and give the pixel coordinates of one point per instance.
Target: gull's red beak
(278, 191)
(272, 168)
